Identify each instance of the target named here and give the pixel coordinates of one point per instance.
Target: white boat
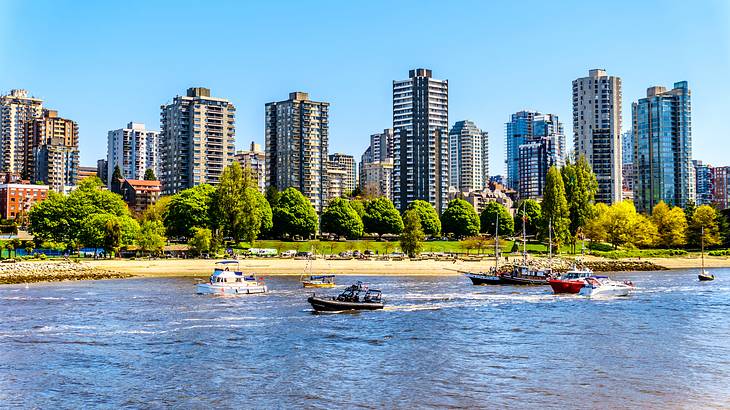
(228, 279)
(602, 286)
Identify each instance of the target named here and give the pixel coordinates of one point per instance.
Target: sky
(104, 64)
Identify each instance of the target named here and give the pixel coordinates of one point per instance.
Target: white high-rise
(468, 157)
(134, 149)
(17, 112)
(597, 130)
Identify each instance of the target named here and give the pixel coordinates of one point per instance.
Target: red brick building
(15, 198)
(139, 194)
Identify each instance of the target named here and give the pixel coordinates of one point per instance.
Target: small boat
(525, 275)
(225, 281)
(319, 281)
(492, 277)
(602, 286)
(571, 282)
(355, 297)
(704, 275)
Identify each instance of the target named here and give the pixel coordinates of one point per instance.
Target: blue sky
(104, 64)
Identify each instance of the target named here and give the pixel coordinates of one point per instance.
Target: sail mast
(524, 237)
(702, 245)
(496, 244)
(550, 239)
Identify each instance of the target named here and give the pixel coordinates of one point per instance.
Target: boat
(226, 281)
(572, 281)
(355, 297)
(491, 277)
(602, 286)
(704, 276)
(524, 274)
(319, 281)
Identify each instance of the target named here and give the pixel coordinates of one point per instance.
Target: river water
(440, 343)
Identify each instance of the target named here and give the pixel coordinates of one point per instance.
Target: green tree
(340, 219)
(624, 226)
(411, 240)
(533, 212)
(555, 207)
(151, 237)
(294, 215)
(359, 206)
(488, 218)
(149, 175)
(460, 219)
(201, 240)
(156, 211)
(580, 192)
(381, 217)
(188, 209)
(704, 218)
(272, 196)
(430, 222)
(595, 228)
(227, 202)
(112, 235)
(671, 225)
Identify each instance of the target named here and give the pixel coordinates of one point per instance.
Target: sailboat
(316, 281)
(492, 277)
(523, 274)
(704, 275)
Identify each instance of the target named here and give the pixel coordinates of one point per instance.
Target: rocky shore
(564, 265)
(28, 272)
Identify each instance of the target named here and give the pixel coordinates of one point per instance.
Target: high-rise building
(468, 156)
(420, 140)
(254, 160)
(627, 161)
(17, 113)
(597, 130)
(518, 131)
(721, 187)
(197, 140)
(297, 133)
(381, 145)
(344, 163)
(376, 178)
(52, 151)
(102, 170)
(134, 150)
(703, 183)
(663, 147)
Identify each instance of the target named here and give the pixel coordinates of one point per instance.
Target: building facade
(420, 140)
(380, 152)
(102, 170)
(346, 163)
(377, 178)
(627, 161)
(468, 156)
(52, 151)
(703, 183)
(17, 114)
(518, 131)
(254, 160)
(134, 150)
(597, 130)
(140, 194)
(197, 140)
(297, 134)
(18, 198)
(721, 187)
(663, 148)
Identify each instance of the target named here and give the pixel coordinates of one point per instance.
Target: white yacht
(228, 279)
(602, 286)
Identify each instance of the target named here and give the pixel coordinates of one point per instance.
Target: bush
(639, 253)
(720, 252)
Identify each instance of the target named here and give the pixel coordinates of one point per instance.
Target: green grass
(640, 253)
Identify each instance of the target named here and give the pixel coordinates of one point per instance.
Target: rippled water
(441, 342)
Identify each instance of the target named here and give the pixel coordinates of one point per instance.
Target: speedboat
(226, 281)
(319, 281)
(704, 276)
(572, 281)
(355, 297)
(602, 286)
(484, 278)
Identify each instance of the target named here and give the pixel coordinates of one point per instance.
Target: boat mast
(496, 244)
(702, 245)
(524, 237)
(550, 239)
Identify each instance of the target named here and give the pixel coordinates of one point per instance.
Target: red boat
(571, 282)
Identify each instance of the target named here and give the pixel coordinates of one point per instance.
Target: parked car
(288, 254)
(304, 255)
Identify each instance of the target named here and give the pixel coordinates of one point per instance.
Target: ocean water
(440, 343)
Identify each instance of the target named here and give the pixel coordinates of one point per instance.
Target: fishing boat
(491, 277)
(602, 286)
(355, 297)
(524, 274)
(319, 281)
(226, 281)
(704, 275)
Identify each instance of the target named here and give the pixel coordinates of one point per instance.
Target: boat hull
(479, 279)
(705, 277)
(211, 289)
(566, 286)
(521, 280)
(605, 291)
(332, 305)
(317, 285)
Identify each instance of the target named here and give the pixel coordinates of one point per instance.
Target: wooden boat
(319, 281)
(355, 297)
(492, 277)
(704, 276)
(524, 274)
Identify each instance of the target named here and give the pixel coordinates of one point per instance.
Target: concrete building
(85, 172)
(420, 140)
(517, 132)
(134, 150)
(102, 170)
(197, 140)
(376, 178)
(254, 160)
(336, 178)
(597, 130)
(468, 156)
(479, 198)
(663, 148)
(17, 113)
(346, 163)
(18, 198)
(52, 151)
(140, 194)
(627, 161)
(297, 134)
(721, 187)
(703, 183)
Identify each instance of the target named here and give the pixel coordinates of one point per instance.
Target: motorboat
(228, 279)
(602, 286)
(355, 297)
(319, 281)
(572, 281)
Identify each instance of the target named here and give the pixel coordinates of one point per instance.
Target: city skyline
(112, 77)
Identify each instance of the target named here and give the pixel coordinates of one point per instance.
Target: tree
(108, 231)
(156, 211)
(228, 200)
(430, 222)
(201, 241)
(151, 237)
(359, 206)
(595, 228)
(381, 217)
(188, 209)
(624, 226)
(704, 219)
(533, 212)
(340, 219)
(460, 219)
(488, 218)
(294, 215)
(411, 240)
(555, 207)
(671, 225)
(117, 176)
(112, 235)
(272, 196)
(580, 192)
(149, 175)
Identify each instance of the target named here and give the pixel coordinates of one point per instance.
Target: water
(440, 342)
